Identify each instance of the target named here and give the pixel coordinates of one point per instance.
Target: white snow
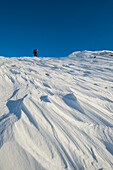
(57, 113)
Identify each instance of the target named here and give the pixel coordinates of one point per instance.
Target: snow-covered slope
(57, 113)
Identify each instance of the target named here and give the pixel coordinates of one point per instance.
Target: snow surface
(57, 113)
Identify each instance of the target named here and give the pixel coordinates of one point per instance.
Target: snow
(57, 113)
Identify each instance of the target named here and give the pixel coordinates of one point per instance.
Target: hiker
(35, 52)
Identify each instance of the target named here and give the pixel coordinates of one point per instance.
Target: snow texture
(57, 113)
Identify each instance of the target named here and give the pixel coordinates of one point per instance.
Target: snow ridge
(57, 113)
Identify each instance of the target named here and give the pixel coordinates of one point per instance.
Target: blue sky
(57, 28)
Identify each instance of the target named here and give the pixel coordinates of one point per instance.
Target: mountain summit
(57, 113)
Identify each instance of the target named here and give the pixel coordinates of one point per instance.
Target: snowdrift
(57, 113)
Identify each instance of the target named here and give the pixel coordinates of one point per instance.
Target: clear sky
(56, 27)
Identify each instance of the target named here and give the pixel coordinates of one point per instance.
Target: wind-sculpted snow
(57, 113)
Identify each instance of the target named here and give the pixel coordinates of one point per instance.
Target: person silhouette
(35, 52)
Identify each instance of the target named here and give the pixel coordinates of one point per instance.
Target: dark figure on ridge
(35, 52)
